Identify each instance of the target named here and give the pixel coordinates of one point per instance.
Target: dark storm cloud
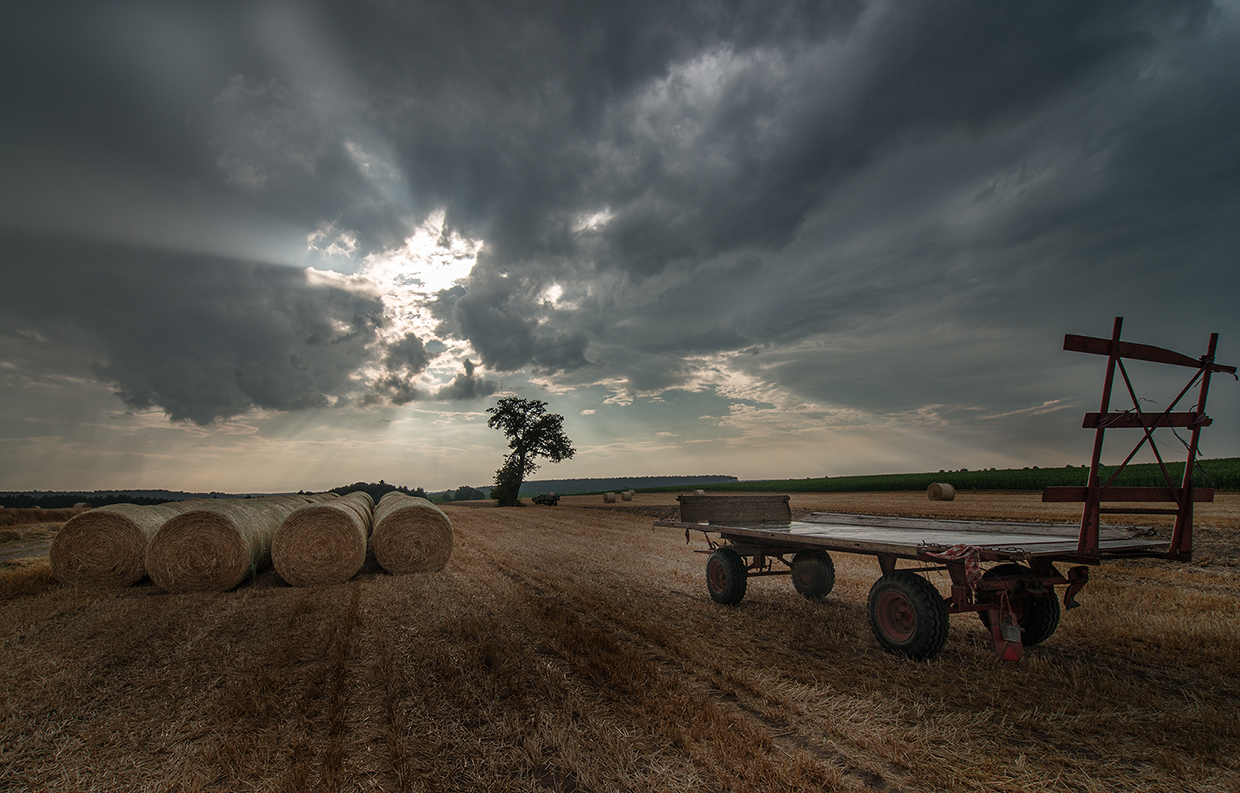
(392, 389)
(408, 353)
(403, 360)
(728, 142)
(202, 339)
(695, 177)
(467, 385)
(501, 316)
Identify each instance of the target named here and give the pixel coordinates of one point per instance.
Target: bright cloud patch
(415, 363)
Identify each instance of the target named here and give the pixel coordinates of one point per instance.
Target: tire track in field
(266, 721)
(661, 646)
(458, 703)
(721, 739)
(333, 752)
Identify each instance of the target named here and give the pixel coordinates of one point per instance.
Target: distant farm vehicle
(1015, 598)
(547, 499)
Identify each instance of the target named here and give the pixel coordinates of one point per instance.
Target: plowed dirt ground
(572, 649)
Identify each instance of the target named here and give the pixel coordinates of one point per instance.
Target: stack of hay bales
(324, 543)
(105, 547)
(411, 535)
(941, 491)
(218, 544)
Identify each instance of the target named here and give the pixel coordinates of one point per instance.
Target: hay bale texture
(941, 491)
(324, 543)
(219, 544)
(105, 547)
(411, 535)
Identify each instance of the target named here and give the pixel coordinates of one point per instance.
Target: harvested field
(20, 517)
(572, 650)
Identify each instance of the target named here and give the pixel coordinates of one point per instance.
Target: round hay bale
(217, 544)
(411, 535)
(941, 491)
(699, 492)
(105, 547)
(609, 498)
(81, 505)
(626, 495)
(324, 542)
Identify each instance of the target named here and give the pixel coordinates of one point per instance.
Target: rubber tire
(726, 577)
(908, 615)
(1038, 616)
(813, 574)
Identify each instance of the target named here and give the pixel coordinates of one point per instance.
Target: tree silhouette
(532, 433)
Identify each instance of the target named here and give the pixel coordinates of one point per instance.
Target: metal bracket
(1078, 577)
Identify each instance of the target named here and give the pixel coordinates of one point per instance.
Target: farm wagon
(1015, 596)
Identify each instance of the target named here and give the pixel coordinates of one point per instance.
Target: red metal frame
(1096, 492)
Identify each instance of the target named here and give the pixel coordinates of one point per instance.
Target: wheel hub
(895, 615)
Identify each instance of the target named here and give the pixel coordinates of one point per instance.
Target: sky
(266, 246)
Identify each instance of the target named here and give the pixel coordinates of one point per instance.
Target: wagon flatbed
(913, 538)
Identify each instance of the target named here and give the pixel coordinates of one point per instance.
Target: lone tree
(532, 433)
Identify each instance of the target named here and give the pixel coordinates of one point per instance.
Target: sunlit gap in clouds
(432, 259)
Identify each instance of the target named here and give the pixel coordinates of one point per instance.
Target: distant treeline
(619, 483)
(378, 490)
(1220, 474)
(67, 500)
(463, 493)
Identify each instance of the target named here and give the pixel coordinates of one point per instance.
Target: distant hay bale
(105, 547)
(81, 505)
(626, 495)
(609, 498)
(941, 491)
(411, 535)
(325, 542)
(217, 544)
(699, 492)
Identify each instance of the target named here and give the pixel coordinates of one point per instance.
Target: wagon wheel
(908, 615)
(1037, 615)
(813, 574)
(725, 576)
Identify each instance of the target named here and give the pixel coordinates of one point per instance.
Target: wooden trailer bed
(911, 538)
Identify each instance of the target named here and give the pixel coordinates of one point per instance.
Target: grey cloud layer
(201, 339)
(696, 177)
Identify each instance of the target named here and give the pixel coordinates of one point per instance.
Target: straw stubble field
(569, 650)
